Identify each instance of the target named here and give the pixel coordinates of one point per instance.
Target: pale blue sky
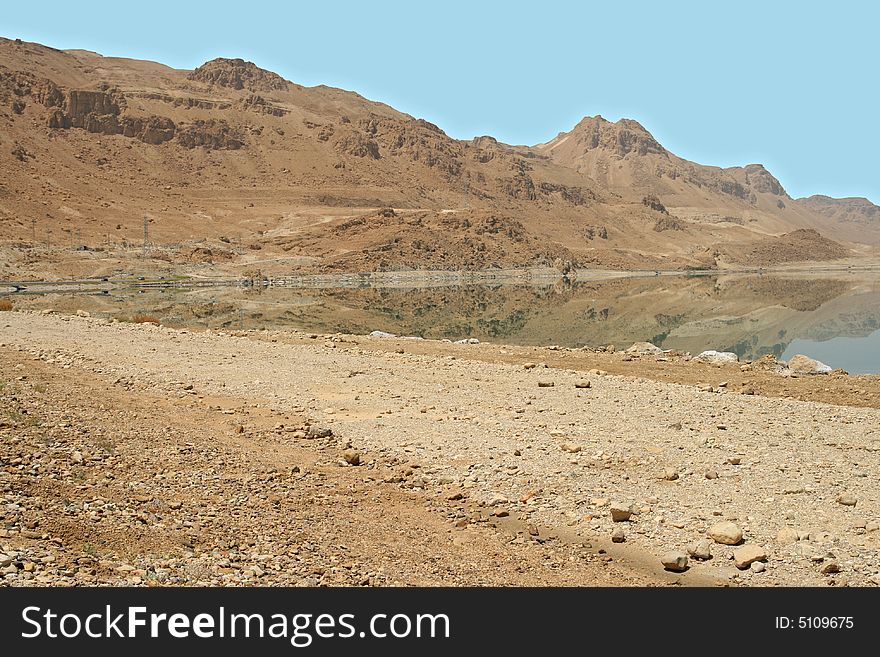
(792, 85)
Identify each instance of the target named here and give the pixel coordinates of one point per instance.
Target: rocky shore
(138, 454)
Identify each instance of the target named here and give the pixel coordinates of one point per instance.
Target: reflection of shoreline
(414, 279)
(752, 315)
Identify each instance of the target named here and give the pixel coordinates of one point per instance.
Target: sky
(791, 85)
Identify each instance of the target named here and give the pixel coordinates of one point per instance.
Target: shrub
(5, 304)
(145, 319)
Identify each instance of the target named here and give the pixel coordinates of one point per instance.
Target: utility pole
(48, 238)
(78, 239)
(34, 232)
(146, 234)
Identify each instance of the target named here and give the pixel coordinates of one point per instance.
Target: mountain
(234, 169)
(857, 211)
(625, 158)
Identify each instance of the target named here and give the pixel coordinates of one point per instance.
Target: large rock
(620, 512)
(725, 533)
(744, 556)
(701, 550)
(800, 364)
(644, 348)
(677, 562)
(712, 356)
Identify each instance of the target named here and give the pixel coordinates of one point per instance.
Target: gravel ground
(501, 451)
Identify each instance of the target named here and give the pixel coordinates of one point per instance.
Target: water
(834, 318)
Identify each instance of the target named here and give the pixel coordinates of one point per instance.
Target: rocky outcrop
(255, 103)
(210, 134)
(101, 112)
(762, 181)
(149, 129)
(358, 145)
(654, 203)
(187, 102)
(573, 195)
(414, 139)
(520, 186)
(238, 74)
(17, 85)
(82, 107)
(667, 223)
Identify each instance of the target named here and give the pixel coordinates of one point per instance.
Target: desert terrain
(114, 167)
(140, 454)
(158, 429)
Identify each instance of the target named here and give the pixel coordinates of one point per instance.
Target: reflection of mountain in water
(751, 315)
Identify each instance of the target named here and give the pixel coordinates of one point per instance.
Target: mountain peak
(238, 74)
(621, 137)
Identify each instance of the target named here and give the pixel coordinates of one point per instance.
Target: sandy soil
(141, 454)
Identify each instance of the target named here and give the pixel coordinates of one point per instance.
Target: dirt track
(185, 475)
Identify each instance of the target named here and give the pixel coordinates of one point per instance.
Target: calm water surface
(835, 319)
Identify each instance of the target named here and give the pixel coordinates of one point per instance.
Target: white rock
(644, 348)
(800, 364)
(712, 356)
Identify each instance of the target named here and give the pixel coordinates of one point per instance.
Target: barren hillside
(234, 168)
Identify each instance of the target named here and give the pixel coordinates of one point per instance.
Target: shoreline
(414, 279)
(493, 435)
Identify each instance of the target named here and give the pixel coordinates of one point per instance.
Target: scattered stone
(677, 562)
(352, 457)
(529, 366)
(787, 535)
(582, 384)
(725, 533)
(711, 474)
(319, 432)
(733, 460)
(620, 512)
(847, 499)
(618, 535)
(757, 567)
(701, 550)
(829, 568)
(670, 474)
(546, 384)
(744, 556)
(571, 449)
(872, 526)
